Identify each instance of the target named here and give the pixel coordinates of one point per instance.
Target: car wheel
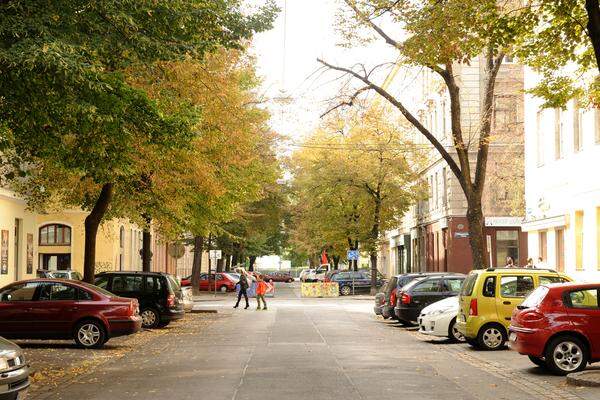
(290, 281)
(453, 332)
(540, 362)
(566, 354)
(345, 290)
(223, 289)
(491, 337)
(150, 318)
(90, 334)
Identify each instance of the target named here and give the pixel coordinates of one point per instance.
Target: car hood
(450, 302)
(8, 348)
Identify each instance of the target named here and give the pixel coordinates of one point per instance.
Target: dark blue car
(353, 281)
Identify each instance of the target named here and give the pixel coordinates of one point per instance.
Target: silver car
(14, 371)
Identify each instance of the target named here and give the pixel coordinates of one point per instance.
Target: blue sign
(352, 255)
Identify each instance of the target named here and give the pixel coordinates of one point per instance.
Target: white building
(562, 185)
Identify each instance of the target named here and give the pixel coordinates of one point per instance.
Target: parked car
(188, 298)
(14, 371)
(63, 274)
(558, 326)
(159, 295)
(353, 281)
(59, 309)
(317, 275)
(396, 284)
(421, 292)
(439, 319)
(278, 276)
(304, 273)
(225, 282)
(489, 297)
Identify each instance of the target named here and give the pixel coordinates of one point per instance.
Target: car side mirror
(8, 297)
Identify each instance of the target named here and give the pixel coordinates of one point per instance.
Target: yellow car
(488, 298)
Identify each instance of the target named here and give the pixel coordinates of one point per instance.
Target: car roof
(131, 273)
(504, 270)
(571, 285)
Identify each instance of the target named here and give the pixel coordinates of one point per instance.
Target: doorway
(56, 262)
(17, 252)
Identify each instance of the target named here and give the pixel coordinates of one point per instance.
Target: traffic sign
(352, 255)
(215, 254)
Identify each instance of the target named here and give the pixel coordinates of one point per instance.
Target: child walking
(261, 289)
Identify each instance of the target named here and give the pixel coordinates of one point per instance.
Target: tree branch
(388, 39)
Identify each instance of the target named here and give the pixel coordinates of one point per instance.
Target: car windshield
(535, 298)
(173, 283)
(468, 285)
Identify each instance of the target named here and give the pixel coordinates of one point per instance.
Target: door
(55, 308)
(17, 252)
(513, 290)
(56, 262)
(16, 303)
(203, 282)
(584, 313)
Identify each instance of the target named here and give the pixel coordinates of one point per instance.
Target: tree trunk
(375, 239)
(92, 222)
(146, 245)
(235, 258)
(197, 264)
(336, 262)
(476, 235)
(593, 27)
(373, 257)
(227, 262)
(251, 266)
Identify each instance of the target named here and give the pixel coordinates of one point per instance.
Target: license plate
(512, 337)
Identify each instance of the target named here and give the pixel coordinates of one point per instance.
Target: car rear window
(98, 288)
(412, 283)
(174, 285)
(535, 298)
(428, 286)
(584, 298)
(468, 285)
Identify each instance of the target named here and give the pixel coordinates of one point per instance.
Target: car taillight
(473, 307)
(393, 297)
(171, 300)
(406, 298)
(532, 316)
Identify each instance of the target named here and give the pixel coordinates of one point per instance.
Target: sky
(286, 60)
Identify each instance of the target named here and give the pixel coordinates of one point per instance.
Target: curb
(584, 378)
(204, 311)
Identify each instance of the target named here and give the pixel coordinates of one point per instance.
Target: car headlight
(3, 363)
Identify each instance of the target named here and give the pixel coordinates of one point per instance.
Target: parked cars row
(539, 312)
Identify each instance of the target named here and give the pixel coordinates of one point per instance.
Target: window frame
(44, 232)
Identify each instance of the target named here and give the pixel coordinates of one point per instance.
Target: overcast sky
(286, 57)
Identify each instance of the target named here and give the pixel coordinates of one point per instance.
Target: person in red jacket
(261, 289)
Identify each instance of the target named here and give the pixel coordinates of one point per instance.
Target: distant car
(380, 300)
(14, 371)
(159, 295)
(225, 282)
(424, 291)
(63, 274)
(558, 327)
(278, 276)
(439, 319)
(188, 298)
(350, 282)
(59, 309)
(304, 273)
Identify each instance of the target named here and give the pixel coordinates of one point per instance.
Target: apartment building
(562, 221)
(434, 233)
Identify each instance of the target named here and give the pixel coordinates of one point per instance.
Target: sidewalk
(589, 378)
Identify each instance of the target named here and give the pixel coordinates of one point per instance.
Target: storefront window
(507, 245)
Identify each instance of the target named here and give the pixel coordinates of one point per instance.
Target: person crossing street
(243, 288)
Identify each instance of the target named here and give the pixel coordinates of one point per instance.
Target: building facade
(562, 190)
(434, 234)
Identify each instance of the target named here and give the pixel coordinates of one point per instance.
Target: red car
(59, 309)
(558, 327)
(278, 277)
(225, 282)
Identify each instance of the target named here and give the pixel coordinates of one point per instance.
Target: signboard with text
(352, 255)
(215, 254)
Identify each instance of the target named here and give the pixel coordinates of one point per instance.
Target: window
(444, 188)
(55, 235)
(540, 138)
(436, 195)
(560, 249)
(579, 240)
(543, 245)
(429, 286)
(342, 276)
(489, 286)
(577, 126)
(584, 299)
(509, 59)
(516, 286)
(57, 292)
(558, 133)
(153, 284)
(467, 287)
(597, 125)
(507, 245)
(84, 295)
(101, 282)
(453, 285)
(21, 292)
(127, 283)
(504, 113)
(545, 280)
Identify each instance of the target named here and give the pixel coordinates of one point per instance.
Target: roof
(518, 270)
(572, 285)
(131, 273)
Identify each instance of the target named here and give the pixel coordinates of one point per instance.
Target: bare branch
(388, 39)
(348, 103)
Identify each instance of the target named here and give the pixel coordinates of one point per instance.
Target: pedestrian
(261, 289)
(530, 263)
(509, 262)
(541, 264)
(243, 284)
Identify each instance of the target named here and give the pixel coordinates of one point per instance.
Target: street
(307, 349)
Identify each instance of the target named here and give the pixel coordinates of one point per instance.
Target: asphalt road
(317, 349)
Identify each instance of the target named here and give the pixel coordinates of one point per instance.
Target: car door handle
(507, 303)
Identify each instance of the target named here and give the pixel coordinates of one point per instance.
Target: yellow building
(31, 241)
